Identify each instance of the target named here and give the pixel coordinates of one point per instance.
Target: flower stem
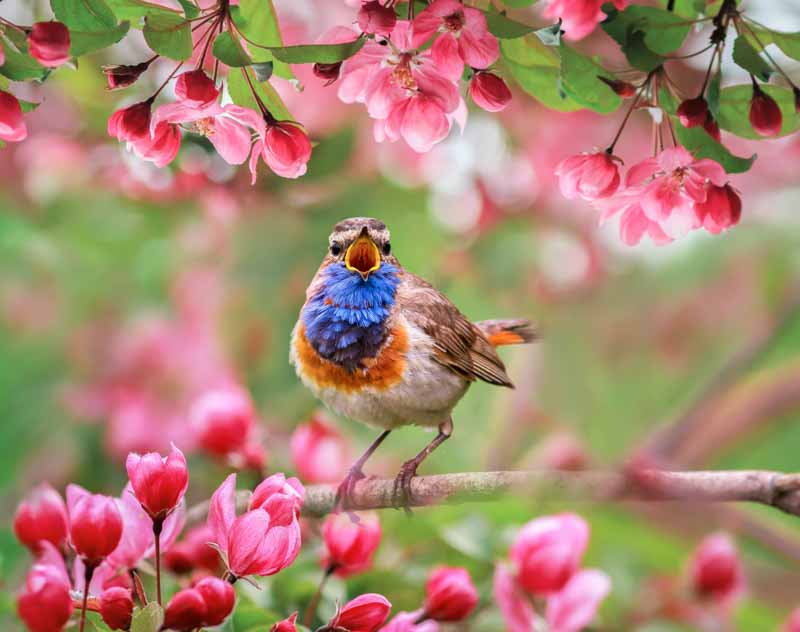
(633, 105)
(88, 572)
(308, 617)
(158, 523)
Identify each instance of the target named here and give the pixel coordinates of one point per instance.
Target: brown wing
(459, 344)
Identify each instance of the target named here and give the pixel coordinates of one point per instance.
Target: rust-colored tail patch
(507, 332)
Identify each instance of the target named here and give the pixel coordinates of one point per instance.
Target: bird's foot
(402, 495)
(344, 493)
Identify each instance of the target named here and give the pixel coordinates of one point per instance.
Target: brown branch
(774, 489)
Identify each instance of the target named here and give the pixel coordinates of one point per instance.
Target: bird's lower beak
(363, 256)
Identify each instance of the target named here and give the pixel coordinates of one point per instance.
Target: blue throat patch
(344, 321)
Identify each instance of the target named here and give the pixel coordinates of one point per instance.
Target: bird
(380, 345)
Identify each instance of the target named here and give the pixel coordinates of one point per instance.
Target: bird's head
(361, 244)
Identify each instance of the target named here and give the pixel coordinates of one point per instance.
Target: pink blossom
(42, 516)
(579, 17)
(158, 483)
(450, 594)
(464, 37)
(548, 550)
(319, 451)
(489, 92)
(589, 176)
(575, 606)
(12, 124)
(95, 524)
(365, 613)
(377, 18)
(45, 604)
(195, 88)
(285, 148)
(116, 608)
(287, 625)
(514, 605)
(228, 127)
(693, 112)
(131, 123)
(765, 114)
(48, 43)
(350, 546)
(721, 210)
(193, 552)
(223, 419)
(266, 538)
(160, 147)
(716, 571)
(408, 622)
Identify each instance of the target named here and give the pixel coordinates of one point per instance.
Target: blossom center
(454, 22)
(205, 126)
(402, 75)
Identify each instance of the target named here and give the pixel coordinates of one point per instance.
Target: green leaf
(263, 70)
(28, 106)
(697, 141)
(687, 8)
(85, 15)
(712, 94)
(637, 53)
(505, 28)
(734, 109)
(257, 21)
(579, 81)
(20, 66)
(747, 57)
(83, 42)
(168, 34)
(136, 10)
(318, 53)
(248, 616)
(148, 619)
(662, 32)
(240, 93)
(518, 4)
(759, 37)
(190, 9)
(229, 51)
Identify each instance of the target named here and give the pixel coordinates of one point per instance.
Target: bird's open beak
(363, 256)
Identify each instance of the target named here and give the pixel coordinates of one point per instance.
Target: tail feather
(514, 331)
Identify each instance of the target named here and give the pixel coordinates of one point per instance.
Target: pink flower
(42, 516)
(450, 594)
(407, 622)
(45, 604)
(589, 176)
(365, 613)
(514, 605)
(377, 18)
(287, 625)
(285, 147)
(548, 550)
(579, 17)
(219, 598)
(160, 147)
(195, 88)
(633, 223)
(48, 43)
(716, 571)
(266, 538)
(319, 451)
(158, 483)
(95, 524)
(489, 91)
(121, 76)
(464, 37)
(12, 124)
(350, 546)
(193, 552)
(228, 127)
(765, 115)
(185, 611)
(575, 606)
(116, 608)
(131, 123)
(223, 420)
(721, 209)
(693, 112)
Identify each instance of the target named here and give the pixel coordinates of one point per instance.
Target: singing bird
(380, 345)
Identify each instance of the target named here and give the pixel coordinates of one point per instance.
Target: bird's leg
(402, 483)
(354, 474)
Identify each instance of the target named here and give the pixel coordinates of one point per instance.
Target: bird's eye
(336, 250)
(387, 248)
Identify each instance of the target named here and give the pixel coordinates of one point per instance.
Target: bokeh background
(126, 291)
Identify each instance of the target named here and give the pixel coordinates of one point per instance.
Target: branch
(775, 489)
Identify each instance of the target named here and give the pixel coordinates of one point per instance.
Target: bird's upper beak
(363, 256)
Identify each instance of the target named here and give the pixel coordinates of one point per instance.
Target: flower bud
(116, 608)
(328, 72)
(158, 483)
(489, 91)
(721, 209)
(796, 92)
(287, 625)
(131, 123)
(622, 88)
(712, 129)
(48, 43)
(223, 420)
(195, 88)
(765, 115)
(693, 112)
(45, 604)
(123, 76)
(42, 516)
(319, 451)
(219, 597)
(589, 176)
(450, 594)
(285, 148)
(350, 546)
(193, 553)
(185, 611)
(715, 569)
(377, 18)
(95, 524)
(12, 124)
(365, 613)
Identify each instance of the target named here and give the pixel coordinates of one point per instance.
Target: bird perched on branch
(380, 345)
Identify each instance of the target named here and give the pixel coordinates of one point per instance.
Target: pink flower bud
(328, 72)
(12, 124)
(548, 551)
(42, 516)
(450, 594)
(377, 18)
(693, 112)
(158, 483)
(285, 148)
(161, 147)
(193, 553)
(765, 115)
(365, 613)
(489, 91)
(721, 209)
(622, 88)
(712, 129)
(219, 597)
(350, 546)
(575, 606)
(116, 608)
(95, 524)
(287, 625)
(45, 604)
(195, 88)
(186, 610)
(589, 176)
(319, 452)
(131, 123)
(123, 76)
(715, 569)
(223, 419)
(48, 43)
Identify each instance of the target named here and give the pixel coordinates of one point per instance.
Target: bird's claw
(402, 495)
(344, 493)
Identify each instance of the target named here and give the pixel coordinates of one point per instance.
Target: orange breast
(381, 372)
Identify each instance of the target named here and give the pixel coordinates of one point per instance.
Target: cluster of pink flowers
(410, 91)
(579, 18)
(155, 135)
(663, 197)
